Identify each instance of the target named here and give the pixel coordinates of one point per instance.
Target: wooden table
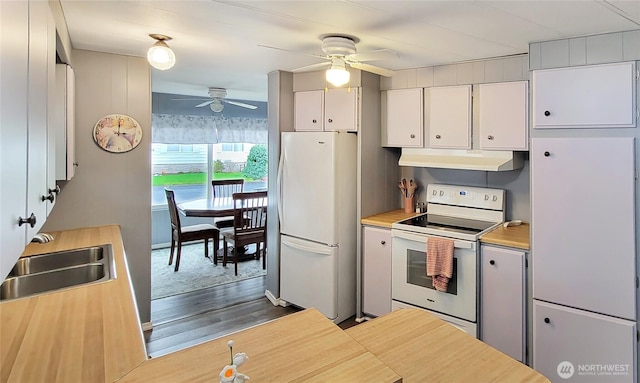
(214, 208)
(207, 207)
(423, 348)
(301, 347)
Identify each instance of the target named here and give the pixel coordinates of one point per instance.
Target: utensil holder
(409, 207)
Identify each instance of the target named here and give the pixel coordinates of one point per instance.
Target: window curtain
(184, 129)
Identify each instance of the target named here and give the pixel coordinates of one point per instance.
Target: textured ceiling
(221, 43)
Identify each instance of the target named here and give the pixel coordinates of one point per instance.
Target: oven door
(410, 283)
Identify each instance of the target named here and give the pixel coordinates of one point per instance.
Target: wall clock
(117, 133)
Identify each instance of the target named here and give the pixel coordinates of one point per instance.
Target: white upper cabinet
(402, 118)
(341, 109)
(52, 188)
(309, 111)
(14, 53)
(595, 96)
(64, 123)
(37, 165)
(335, 109)
(449, 116)
(504, 115)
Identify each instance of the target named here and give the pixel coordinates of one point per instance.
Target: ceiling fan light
(160, 56)
(216, 106)
(338, 74)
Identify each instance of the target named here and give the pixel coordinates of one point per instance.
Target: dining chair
(181, 234)
(225, 189)
(249, 227)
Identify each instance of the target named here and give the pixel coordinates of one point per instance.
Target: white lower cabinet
(376, 255)
(573, 345)
(502, 302)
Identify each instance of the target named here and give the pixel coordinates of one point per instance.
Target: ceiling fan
(218, 100)
(340, 52)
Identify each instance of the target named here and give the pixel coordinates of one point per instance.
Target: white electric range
(462, 214)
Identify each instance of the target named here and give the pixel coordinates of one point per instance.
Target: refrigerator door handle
(279, 183)
(321, 250)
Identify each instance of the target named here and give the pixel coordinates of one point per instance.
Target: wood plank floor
(188, 319)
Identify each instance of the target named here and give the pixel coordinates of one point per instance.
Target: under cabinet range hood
(487, 160)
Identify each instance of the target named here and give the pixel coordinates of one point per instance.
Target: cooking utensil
(411, 188)
(402, 189)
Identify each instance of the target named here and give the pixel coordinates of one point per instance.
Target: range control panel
(454, 195)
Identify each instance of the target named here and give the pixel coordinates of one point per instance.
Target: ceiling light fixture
(338, 74)
(160, 56)
(216, 106)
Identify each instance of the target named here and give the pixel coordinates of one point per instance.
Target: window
(189, 169)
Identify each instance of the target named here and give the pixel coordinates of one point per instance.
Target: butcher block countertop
(92, 333)
(512, 236)
(300, 347)
(87, 333)
(387, 218)
(423, 348)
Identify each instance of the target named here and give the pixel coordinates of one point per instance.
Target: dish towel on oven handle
(440, 261)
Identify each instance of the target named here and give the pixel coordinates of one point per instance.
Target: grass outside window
(191, 178)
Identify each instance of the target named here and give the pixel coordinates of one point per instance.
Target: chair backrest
(250, 212)
(226, 188)
(173, 209)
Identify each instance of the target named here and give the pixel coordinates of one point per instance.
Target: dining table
(209, 207)
(213, 208)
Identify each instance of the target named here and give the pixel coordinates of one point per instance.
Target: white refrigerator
(318, 223)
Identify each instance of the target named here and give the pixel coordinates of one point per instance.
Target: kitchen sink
(57, 260)
(54, 271)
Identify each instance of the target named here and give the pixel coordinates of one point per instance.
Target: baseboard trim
(274, 301)
(147, 326)
(161, 246)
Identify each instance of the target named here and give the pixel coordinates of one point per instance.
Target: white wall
(112, 188)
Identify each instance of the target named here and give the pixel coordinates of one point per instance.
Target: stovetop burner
(459, 212)
(440, 222)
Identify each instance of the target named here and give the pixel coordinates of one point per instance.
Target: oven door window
(417, 272)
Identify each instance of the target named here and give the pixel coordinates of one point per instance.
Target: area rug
(196, 272)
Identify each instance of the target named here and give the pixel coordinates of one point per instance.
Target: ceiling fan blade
(312, 67)
(379, 54)
(241, 104)
(204, 104)
(187, 99)
(372, 68)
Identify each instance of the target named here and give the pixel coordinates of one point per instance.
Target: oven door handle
(457, 243)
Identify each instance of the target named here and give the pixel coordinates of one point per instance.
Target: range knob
(435, 192)
(441, 193)
(495, 198)
(486, 197)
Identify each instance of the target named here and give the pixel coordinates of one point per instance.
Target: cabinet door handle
(489, 137)
(314, 121)
(330, 120)
(49, 197)
(383, 242)
(31, 220)
(413, 136)
(547, 154)
(547, 320)
(437, 137)
(492, 262)
(56, 190)
(547, 113)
